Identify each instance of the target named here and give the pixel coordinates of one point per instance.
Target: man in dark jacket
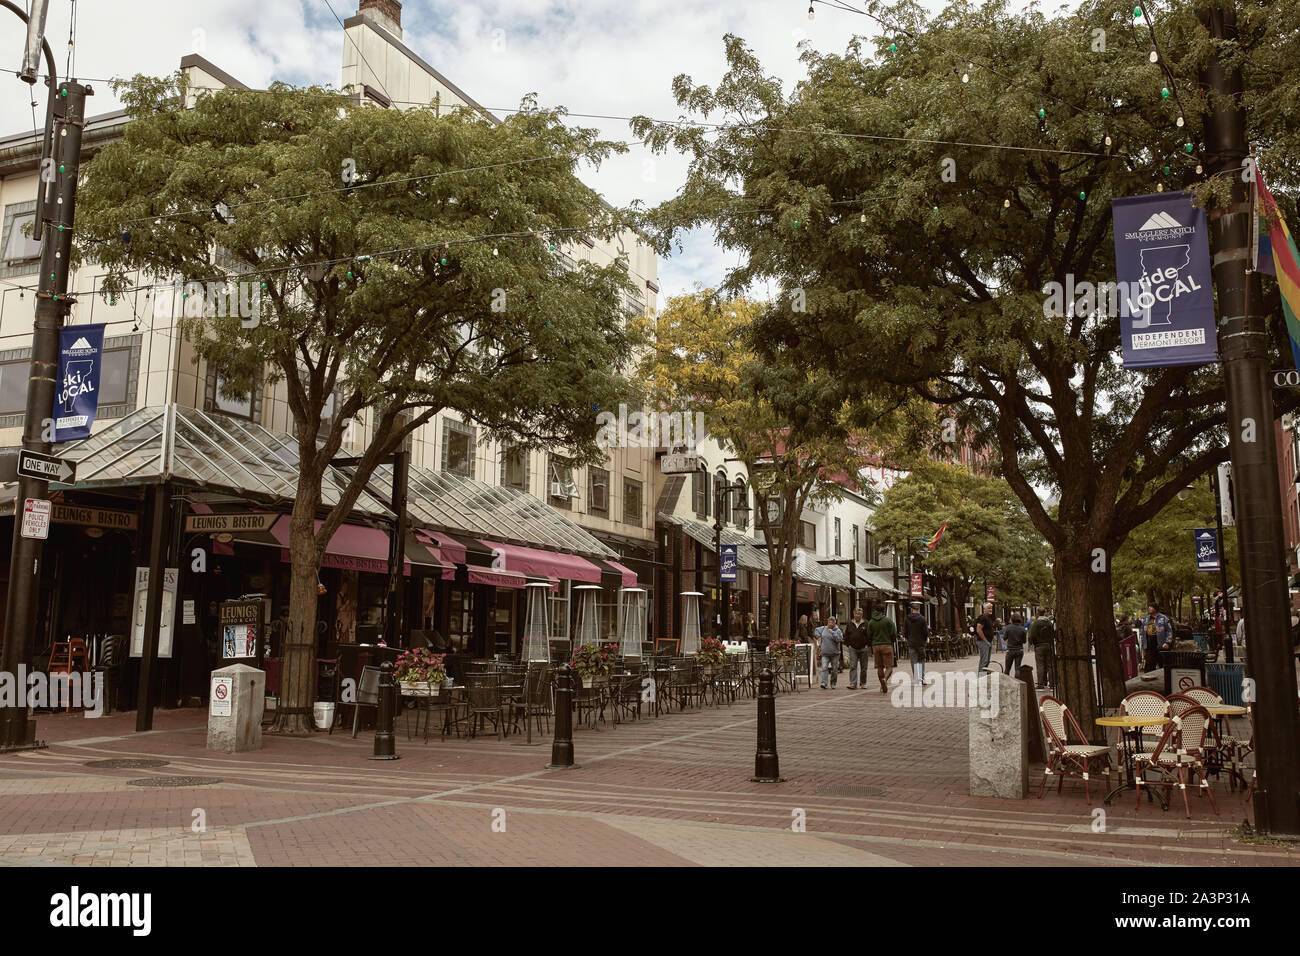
(916, 631)
(857, 641)
(882, 632)
(1041, 633)
(1015, 638)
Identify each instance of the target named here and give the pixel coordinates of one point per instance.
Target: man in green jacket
(882, 632)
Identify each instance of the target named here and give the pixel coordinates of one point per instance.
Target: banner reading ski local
(76, 395)
(1162, 262)
(1207, 549)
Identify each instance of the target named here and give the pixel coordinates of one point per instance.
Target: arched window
(726, 498)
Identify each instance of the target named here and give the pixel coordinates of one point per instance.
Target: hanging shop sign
(918, 583)
(95, 517)
(1164, 288)
(224, 524)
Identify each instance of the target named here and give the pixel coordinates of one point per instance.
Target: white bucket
(323, 713)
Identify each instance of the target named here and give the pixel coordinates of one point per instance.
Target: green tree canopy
(406, 263)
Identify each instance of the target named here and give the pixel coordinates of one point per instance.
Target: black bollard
(562, 747)
(766, 765)
(385, 741)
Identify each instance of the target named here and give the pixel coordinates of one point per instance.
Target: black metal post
(719, 502)
(1243, 349)
(158, 538)
(54, 221)
(397, 551)
(1223, 570)
(385, 740)
(562, 746)
(766, 764)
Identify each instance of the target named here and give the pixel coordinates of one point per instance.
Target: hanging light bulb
(1042, 113)
(1153, 56)
(1198, 169)
(1160, 187)
(1107, 140)
(1006, 204)
(731, 231)
(810, 11)
(965, 77)
(893, 48)
(864, 217)
(1180, 120)
(1137, 13)
(494, 250)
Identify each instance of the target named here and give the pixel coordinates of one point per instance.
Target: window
(559, 609)
(873, 550)
(514, 468)
(221, 397)
(457, 448)
(857, 550)
(22, 253)
(742, 517)
(562, 489)
(808, 536)
(700, 493)
(118, 375)
(725, 503)
(632, 502)
(598, 491)
(837, 537)
(13, 386)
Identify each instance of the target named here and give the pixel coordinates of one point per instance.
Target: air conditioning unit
(564, 489)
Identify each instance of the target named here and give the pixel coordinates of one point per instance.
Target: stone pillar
(236, 699)
(999, 737)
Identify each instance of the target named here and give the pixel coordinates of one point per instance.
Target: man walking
(985, 628)
(855, 636)
(1041, 635)
(1159, 634)
(831, 640)
(916, 631)
(883, 633)
(1015, 638)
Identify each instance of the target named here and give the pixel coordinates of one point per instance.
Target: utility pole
(56, 198)
(1243, 349)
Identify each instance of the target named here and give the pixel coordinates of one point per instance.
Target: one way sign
(44, 467)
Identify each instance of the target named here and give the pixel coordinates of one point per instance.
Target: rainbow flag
(932, 542)
(1284, 264)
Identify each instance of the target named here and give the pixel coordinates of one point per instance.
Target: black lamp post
(722, 492)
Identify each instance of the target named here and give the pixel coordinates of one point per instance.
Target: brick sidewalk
(872, 784)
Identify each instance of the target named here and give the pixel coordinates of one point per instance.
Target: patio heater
(537, 628)
(690, 623)
(588, 631)
(631, 621)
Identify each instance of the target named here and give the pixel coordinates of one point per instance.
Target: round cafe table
(1131, 737)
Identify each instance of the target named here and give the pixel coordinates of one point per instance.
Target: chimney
(386, 14)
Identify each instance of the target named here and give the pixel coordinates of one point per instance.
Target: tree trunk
(1101, 607)
(1073, 655)
(298, 659)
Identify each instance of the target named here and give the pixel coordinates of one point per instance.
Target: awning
(629, 576)
(496, 579)
(352, 548)
(543, 564)
(750, 555)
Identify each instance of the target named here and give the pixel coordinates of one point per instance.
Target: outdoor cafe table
(1131, 732)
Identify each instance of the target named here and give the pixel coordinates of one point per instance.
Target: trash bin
(1184, 669)
(1225, 680)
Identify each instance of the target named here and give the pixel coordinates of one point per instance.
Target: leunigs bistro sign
(225, 524)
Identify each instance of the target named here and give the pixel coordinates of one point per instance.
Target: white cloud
(608, 57)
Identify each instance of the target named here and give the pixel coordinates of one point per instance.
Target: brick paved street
(876, 785)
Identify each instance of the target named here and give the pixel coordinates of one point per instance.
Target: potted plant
(594, 663)
(711, 655)
(781, 649)
(420, 673)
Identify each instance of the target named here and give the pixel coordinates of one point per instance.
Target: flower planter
(709, 671)
(596, 680)
(411, 688)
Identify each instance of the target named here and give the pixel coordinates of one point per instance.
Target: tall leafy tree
(797, 436)
(361, 229)
(922, 253)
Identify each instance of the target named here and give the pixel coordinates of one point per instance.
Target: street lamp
(722, 494)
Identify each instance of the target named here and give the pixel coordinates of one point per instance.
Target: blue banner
(76, 394)
(730, 561)
(1162, 264)
(1207, 549)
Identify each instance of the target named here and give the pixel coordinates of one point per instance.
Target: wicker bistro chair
(1064, 758)
(1180, 704)
(1178, 754)
(1144, 703)
(483, 694)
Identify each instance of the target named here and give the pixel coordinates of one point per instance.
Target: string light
(1006, 204)
(1137, 13)
(1164, 92)
(1180, 120)
(1107, 140)
(1153, 56)
(810, 11)
(893, 48)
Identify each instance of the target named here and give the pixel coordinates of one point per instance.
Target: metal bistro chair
(538, 703)
(1064, 758)
(626, 693)
(483, 693)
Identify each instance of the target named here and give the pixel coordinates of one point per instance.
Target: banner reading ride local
(1162, 262)
(76, 395)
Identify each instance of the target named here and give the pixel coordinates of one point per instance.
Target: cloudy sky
(612, 57)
